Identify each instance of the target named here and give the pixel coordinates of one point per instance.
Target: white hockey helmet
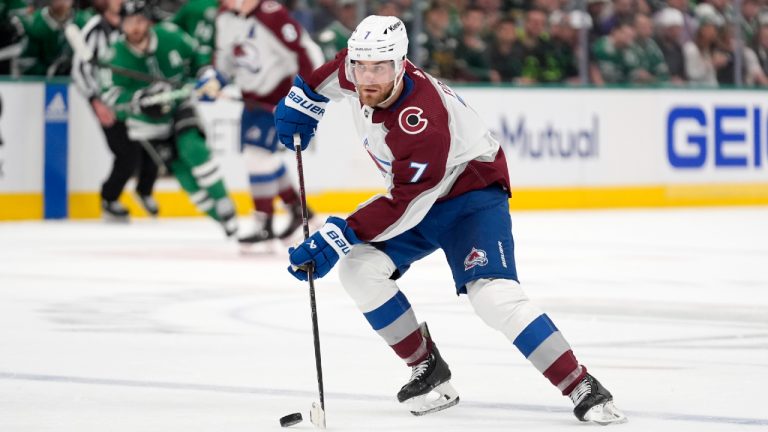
(377, 38)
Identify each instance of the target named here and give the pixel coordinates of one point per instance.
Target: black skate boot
(114, 211)
(149, 204)
(263, 230)
(431, 375)
(295, 222)
(594, 403)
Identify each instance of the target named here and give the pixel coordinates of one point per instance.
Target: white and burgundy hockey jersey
(263, 51)
(429, 146)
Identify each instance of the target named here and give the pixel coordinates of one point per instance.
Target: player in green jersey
(198, 19)
(169, 126)
(46, 51)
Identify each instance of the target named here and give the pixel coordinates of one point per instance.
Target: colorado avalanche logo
(477, 257)
(411, 121)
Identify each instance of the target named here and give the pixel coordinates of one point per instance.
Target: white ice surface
(163, 326)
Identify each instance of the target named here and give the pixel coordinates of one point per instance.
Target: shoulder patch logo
(477, 257)
(289, 33)
(411, 121)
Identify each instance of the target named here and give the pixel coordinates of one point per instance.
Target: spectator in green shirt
(614, 56)
(652, 67)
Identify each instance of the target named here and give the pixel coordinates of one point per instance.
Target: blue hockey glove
(209, 84)
(298, 113)
(322, 249)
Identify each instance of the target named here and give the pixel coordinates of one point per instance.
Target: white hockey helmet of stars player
(378, 39)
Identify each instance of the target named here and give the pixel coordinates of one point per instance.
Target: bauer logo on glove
(322, 250)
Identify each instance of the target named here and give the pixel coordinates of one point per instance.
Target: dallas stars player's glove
(145, 102)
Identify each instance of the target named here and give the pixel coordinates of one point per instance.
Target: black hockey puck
(290, 419)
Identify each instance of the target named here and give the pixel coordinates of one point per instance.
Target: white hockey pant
(365, 274)
(262, 163)
(502, 304)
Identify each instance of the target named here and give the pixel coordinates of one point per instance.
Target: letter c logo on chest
(410, 120)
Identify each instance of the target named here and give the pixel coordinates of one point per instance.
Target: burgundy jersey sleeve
(286, 29)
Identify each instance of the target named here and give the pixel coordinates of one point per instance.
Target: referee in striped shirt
(100, 32)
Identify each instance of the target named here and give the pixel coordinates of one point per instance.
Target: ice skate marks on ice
(441, 397)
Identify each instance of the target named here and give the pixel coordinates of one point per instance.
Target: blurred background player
(12, 13)
(447, 188)
(198, 19)
(46, 51)
(100, 32)
(260, 48)
(170, 127)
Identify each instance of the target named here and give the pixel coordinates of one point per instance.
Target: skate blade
(605, 414)
(446, 398)
(317, 415)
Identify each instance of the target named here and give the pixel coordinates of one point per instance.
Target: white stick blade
(317, 416)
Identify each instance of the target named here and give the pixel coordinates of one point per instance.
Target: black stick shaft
(312, 302)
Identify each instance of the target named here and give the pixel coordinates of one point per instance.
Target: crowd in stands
(599, 42)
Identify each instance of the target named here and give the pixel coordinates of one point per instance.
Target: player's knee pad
(365, 274)
(502, 304)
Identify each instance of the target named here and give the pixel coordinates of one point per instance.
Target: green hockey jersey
(172, 55)
(198, 19)
(46, 51)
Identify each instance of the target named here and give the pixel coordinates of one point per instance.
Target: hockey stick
(162, 168)
(156, 99)
(77, 42)
(317, 414)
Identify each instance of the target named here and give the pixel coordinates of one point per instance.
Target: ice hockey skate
(114, 211)
(149, 204)
(292, 233)
(260, 240)
(593, 403)
(295, 221)
(429, 389)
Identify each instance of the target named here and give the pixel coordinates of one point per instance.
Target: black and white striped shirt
(99, 35)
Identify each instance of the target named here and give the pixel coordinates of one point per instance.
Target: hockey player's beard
(374, 94)
(138, 40)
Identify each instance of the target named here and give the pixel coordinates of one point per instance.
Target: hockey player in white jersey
(447, 188)
(260, 48)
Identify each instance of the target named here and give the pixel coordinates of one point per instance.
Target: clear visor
(361, 72)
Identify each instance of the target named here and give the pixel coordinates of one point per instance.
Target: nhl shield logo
(477, 257)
